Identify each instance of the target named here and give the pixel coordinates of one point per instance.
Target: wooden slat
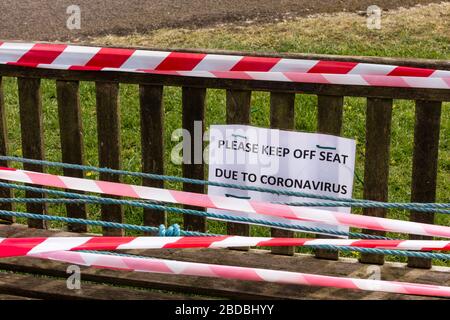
(194, 112)
(238, 112)
(376, 169)
(4, 192)
(71, 134)
(30, 286)
(152, 142)
(425, 164)
(238, 84)
(108, 127)
(282, 117)
(329, 121)
(32, 138)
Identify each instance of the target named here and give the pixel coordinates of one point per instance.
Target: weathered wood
(54, 288)
(329, 114)
(238, 112)
(108, 127)
(4, 192)
(282, 117)
(32, 138)
(425, 164)
(71, 134)
(234, 289)
(238, 84)
(329, 121)
(193, 122)
(376, 167)
(152, 143)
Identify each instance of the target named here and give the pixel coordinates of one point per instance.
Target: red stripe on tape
(306, 77)
(117, 189)
(283, 242)
(103, 243)
(332, 67)
(232, 75)
(410, 72)
(40, 53)
(14, 247)
(383, 81)
(110, 58)
(8, 169)
(181, 61)
(375, 243)
(255, 64)
(194, 242)
(45, 179)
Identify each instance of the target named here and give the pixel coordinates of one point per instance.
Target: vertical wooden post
(238, 112)
(193, 100)
(108, 127)
(152, 143)
(32, 138)
(282, 117)
(71, 133)
(425, 164)
(376, 170)
(4, 192)
(329, 121)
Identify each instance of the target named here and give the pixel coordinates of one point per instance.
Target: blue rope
(99, 223)
(81, 198)
(172, 231)
(175, 231)
(409, 206)
(414, 254)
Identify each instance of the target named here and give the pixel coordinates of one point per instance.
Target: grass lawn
(421, 32)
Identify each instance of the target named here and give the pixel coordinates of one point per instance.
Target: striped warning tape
(70, 57)
(269, 210)
(10, 247)
(141, 264)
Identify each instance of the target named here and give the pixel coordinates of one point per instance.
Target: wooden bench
(238, 96)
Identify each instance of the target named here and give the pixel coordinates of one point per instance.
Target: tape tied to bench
(185, 64)
(73, 249)
(59, 249)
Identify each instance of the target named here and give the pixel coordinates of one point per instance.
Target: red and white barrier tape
(70, 57)
(224, 203)
(153, 265)
(11, 247)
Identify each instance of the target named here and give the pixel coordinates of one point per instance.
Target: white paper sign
(283, 160)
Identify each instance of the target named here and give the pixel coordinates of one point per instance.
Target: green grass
(338, 34)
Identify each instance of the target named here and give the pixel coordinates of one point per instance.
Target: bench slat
(376, 167)
(238, 112)
(30, 105)
(193, 100)
(282, 117)
(329, 120)
(71, 133)
(109, 145)
(425, 163)
(152, 143)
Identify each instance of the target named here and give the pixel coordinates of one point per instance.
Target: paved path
(46, 19)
